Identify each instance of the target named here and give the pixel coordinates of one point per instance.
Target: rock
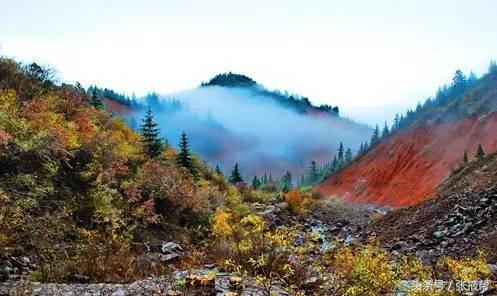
(171, 251)
(24, 260)
(493, 268)
(171, 247)
(311, 284)
(235, 283)
(348, 240)
(440, 233)
(209, 266)
(79, 278)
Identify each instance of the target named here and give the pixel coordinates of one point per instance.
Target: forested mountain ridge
(423, 146)
(295, 102)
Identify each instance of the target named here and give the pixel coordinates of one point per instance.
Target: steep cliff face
(408, 167)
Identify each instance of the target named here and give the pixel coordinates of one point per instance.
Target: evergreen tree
(492, 69)
(348, 156)
(218, 171)
(479, 152)
(264, 179)
(334, 165)
(255, 182)
(152, 143)
(235, 177)
(95, 99)
(396, 122)
(286, 182)
(385, 131)
(459, 78)
(340, 154)
(313, 173)
(366, 146)
(472, 78)
(375, 139)
(184, 158)
(459, 83)
(465, 157)
(361, 149)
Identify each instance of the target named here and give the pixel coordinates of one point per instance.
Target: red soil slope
(408, 167)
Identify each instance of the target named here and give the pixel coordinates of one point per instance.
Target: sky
(371, 58)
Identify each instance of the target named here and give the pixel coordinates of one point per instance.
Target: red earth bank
(409, 166)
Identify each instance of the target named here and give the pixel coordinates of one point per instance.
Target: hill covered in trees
(295, 102)
(422, 147)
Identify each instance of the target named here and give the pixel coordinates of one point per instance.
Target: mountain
(427, 144)
(233, 119)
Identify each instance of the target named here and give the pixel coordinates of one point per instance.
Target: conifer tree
(184, 158)
(235, 177)
(218, 171)
(264, 179)
(465, 157)
(313, 173)
(396, 122)
(152, 143)
(366, 146)
(385, 131)
(255, 182)
(492, 69)
(340, 154)
(376, 136)
(348, 155)
(361, 149)
(480, 154)
(286, 182)
(95, 101)
(334, 164)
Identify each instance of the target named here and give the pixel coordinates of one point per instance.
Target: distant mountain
(298, 103)
(233, 119)
(425, 146)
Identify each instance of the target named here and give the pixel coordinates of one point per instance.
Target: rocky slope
(459, 221)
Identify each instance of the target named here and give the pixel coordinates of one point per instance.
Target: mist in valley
(240, 125)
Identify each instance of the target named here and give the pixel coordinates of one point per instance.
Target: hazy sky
(372, 58)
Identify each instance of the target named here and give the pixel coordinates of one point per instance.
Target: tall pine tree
(348, 155)
(385, 131)
(340, 154)
(313, 173)
(376, 136)
(256, 183)
(152, 143)
(286, 182)
(184, 158)
(396, 122)
(235, 177)
(218, 171)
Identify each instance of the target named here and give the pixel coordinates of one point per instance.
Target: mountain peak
(230, 80)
